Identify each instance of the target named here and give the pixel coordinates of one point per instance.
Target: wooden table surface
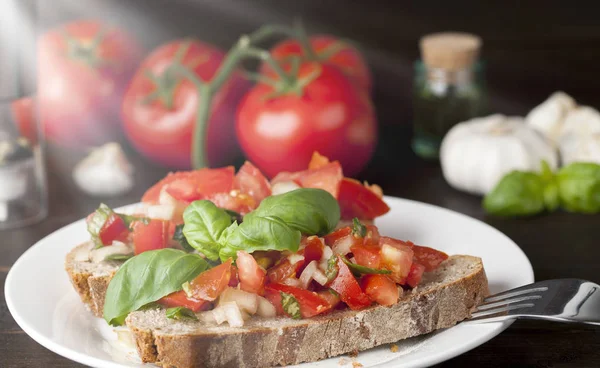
(558, 245)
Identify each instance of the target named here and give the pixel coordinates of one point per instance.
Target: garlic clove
(580, 148)
(548, 117)
(104, 172)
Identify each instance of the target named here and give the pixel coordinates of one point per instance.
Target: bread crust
(439, 303)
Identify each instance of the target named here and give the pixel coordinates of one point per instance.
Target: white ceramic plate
(44, 304)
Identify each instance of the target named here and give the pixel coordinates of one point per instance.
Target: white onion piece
(295, 258)
(283, 187)
(342, 247)
(327, 253)
(307, 274)
(291, 282)
(161, 212)
(118, 248)
(246, 301)
(208, 317)
(320, 277)
(265, 308)
(229, 312)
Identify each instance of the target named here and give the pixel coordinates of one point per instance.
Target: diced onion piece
(291, 282)
(229, 312)
(161, 212)
(342, 247)
(307, 274)
(246, 301)
(320, 277)
(283, 187)
(100, 254)
(207, 317)
(295, 258)
(327, 253)
(265, 308)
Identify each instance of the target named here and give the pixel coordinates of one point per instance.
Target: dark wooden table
(558, 245)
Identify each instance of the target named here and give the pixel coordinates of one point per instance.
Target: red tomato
(252, 276)
(192, 185)
(209, 284)
(337, 235)
(428, 257)
(153, 236)
(313, 251)
(160, 106)
(344, 56)
(282, 270)
(274, 297)
(348, 288)
(23, 111)
(180, 299)
(251, 181)
(331, 116)
(83, 70)
(330, 297)
(317, 161)
(380, 289)
(113, 229)
(397, 258)
(367, 255)
(372, 237)
(311, 304)
(239, 202)
(326, 177)
(415, 274)
(356, 200)
(235, 279)
(342, 240)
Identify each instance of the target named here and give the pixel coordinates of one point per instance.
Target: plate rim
(74, 355)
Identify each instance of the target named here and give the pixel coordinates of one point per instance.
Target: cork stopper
(450, 50)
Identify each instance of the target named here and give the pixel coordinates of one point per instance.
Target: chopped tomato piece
(348, 288)
(356, 200)
(113, 229)
(251, 181)
(415, 274)
(372, 237)
(428, 257)
(335, 236)
(235, 201)
(317, 161)
(396, 257)
(235, 279)
(252, 276)
(327, 177)
(283, 270)
(342, 240)
(192, 185)
(286, 176)
(151, 236)
(330, 296)
(274, 297)
(313, 251)
(180, 299)
(311, 304)
(209, 284)
(380, 289)
(367, 255)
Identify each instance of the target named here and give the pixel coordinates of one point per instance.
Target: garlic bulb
(583, 120)
(105, 172)
(477, 153)
(580, 148)
(548, 117)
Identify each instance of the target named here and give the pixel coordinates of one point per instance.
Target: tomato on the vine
(161, 104)
(83, 70)
(279, 130)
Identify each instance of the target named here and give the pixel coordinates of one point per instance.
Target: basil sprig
(290, 305)
(579, 187)
(181, 313)
(358, 270)
(203, 225)
(146, 278)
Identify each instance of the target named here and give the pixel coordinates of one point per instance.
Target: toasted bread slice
(444, 298)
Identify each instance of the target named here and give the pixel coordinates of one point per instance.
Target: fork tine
(512, 293)
(503, 309)
(493, 304)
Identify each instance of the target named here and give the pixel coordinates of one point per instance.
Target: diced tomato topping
(348, 288)
(380, 289)
(317, 161)
(210, 284)
(372, 237)
(274, 297)
(235, 279)
(342, 240)
(335, 236)
(311, 304)
(313, 251)
(330, 296)
(113, 229)
(180, 299)
(285, 176)
(283, 270)
(151, 236)
(192, 185)
(415, 274)
(235, 201)
(252, 276)
(327, 177)
(428, 257)
(396, 257)
(367, 255)
(251, 181)
(356, 200)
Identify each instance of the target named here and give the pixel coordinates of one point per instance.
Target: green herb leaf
(204, 224)
(517, 194)
(258, 233)
(118, 257)
(129, 219)
(181, 313)
(358, 229)
(97, 221)
(235, 217)
(311, 211)
(148, 277)
(290, 305)
(579, 187)
(180, 238)
(332, 268)
(358, 270)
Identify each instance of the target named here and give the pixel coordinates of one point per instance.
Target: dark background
(531, 49)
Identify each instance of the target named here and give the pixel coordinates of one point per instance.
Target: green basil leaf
(358, 229)
(97, 221)
(180, 238)
(204, 224)
(309, 210)
(517, 194)
(181, 313)
(148, 277)
(259, 233)
(290, 305)
(579, 187)
(235, 217)
(332, 268)
(118, 257)
(358, 270)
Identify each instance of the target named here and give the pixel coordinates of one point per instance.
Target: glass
(23, 192)
(442, 99)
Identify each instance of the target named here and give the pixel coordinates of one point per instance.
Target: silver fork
(562, 300)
